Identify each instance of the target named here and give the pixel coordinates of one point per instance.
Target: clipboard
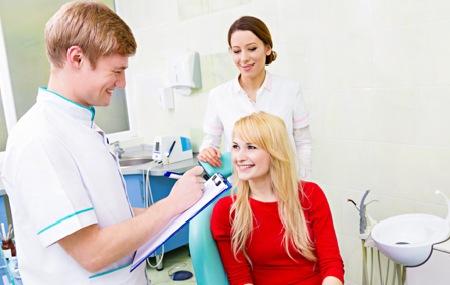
(214, 186)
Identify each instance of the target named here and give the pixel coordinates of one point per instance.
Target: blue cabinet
(136, 190)
(159, 188)
(3, 211)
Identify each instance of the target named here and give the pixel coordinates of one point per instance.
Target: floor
(175, 260)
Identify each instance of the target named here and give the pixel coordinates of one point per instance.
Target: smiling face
(249, 53)
(100, 82)
(251, 162)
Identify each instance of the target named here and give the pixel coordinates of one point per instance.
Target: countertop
(151, 167)
(160, 169)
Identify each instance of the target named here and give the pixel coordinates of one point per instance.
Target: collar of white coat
(267, 84)
(82, 111)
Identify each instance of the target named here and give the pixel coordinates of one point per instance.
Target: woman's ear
(268, 49)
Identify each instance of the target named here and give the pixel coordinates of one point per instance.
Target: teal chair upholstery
(208, 267)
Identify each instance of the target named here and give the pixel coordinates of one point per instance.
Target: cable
(379, 266)
(399, 272)
(387, 273)
(371, 266)
(364, 251)
(148, 194)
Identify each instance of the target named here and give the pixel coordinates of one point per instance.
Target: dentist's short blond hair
(90, 25)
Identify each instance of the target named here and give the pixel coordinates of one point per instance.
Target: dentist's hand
(210, 155)
(188, 189)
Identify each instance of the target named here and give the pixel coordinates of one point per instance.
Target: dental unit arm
(366, 222)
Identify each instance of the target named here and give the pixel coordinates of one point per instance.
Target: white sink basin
(408, 239)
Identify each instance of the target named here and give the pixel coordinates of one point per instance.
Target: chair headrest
(227, 167)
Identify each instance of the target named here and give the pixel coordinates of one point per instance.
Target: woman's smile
(247, 67)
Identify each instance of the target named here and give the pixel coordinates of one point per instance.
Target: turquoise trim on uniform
(109, 271)
(65, 218)
(92, 109)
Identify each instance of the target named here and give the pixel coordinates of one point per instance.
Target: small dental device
(170, 149)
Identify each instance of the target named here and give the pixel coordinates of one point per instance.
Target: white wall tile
(411, 172)
(188, 9)
(351, 252)
(291, 61)
(439, 45)
(401, 57)
(391, 117)
(432, 117)
(145, 13)
(376, 79)
(341, 61)
(388, 14)
(348, 114)
(316, 101)
(329, 157)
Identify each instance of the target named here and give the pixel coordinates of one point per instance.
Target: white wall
(376, 76)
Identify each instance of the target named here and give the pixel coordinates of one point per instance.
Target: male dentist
(73, 222)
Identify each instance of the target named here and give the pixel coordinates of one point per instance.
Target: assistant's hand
(188, 189)
(210, 155)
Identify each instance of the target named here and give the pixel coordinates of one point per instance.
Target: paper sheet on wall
(215, 186)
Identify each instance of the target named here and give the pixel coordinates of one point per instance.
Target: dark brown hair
(257, 27)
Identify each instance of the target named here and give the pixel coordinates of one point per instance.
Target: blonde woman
(273, 229)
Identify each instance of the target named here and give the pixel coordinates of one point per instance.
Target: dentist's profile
(73, 222)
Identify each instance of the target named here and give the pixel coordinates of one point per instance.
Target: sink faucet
(118, 151)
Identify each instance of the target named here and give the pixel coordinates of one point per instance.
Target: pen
(171, 148)
(173, 175)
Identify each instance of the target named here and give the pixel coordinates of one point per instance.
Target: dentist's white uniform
(60, 177)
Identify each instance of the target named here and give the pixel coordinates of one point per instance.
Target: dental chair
(208, 267)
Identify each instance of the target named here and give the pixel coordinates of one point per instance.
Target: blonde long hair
(269, 132)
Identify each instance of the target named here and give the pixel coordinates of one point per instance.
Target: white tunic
(60, 177)
(279, 96)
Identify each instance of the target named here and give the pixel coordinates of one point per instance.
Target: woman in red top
(274, 229)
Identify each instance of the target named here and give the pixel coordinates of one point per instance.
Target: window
(27, 67)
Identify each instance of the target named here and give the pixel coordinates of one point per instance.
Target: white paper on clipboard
(215, 186)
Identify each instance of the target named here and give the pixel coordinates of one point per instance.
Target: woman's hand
(210, 155)
(331, 280)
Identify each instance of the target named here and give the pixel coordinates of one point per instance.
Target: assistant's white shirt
(227, 103)
(61, 177)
